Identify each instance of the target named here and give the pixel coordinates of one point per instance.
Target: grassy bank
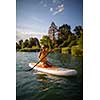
(33, 49)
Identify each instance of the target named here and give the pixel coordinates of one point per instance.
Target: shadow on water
(35, 85)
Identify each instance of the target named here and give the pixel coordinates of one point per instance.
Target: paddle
(39, 61)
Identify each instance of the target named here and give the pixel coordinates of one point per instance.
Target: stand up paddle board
(54, 70)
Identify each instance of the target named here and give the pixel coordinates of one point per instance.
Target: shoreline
(75, 51)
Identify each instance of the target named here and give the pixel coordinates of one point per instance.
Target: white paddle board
(54, 70)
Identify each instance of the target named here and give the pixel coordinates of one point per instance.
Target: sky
(35, 16)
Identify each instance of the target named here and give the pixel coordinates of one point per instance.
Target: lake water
(33, 85)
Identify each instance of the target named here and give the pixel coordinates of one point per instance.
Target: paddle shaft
(40, 60)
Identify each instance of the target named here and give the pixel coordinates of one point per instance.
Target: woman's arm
(39, 54)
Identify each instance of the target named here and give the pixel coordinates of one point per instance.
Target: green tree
(21, 43)
(64, 34)
(33, 42)
(25, 43)
(78, 30)
(80, 41)
(46, 41)
(18, 46)
(36, 42)
(65, 30)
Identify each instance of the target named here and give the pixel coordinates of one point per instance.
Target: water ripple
(35, 85)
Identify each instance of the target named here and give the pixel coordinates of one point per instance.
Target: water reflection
(65, 60)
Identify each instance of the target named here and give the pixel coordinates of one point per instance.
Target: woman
(42, 56)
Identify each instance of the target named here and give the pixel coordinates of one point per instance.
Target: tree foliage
(46, 41)
(64, 32)
(67, 40)
(20, 43)
(18, 46)
(27, 43)
(80, 41)
(78, 30)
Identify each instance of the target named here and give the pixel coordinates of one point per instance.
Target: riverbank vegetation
(28, 45)
(60, 39)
